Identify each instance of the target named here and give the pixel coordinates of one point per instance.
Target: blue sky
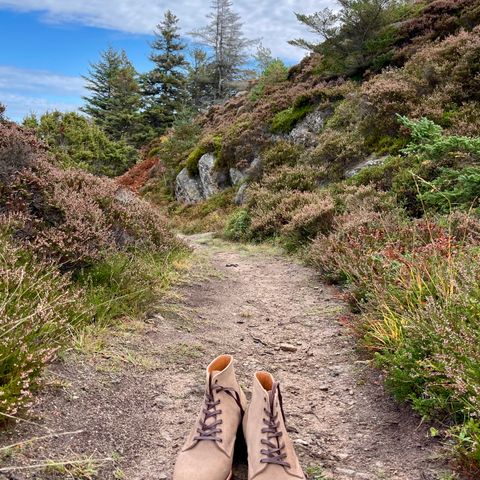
(48, 44)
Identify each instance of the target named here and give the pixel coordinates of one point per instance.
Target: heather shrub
(70, 216)
(416, 286)
(272, 211)
(38, 307)
(76, 141)
(281, 153)
(303, 178)
(309, 221)
(337, 150)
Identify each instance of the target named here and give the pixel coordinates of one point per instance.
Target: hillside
(372, 177)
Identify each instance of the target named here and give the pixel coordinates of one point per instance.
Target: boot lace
(210, 431)
(274, 453)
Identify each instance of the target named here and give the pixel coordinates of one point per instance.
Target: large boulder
(188, 189)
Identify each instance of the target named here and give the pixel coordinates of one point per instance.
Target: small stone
(300, 441)
(323, 388)
(288, 347)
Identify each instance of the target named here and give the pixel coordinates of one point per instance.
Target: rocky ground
(129, 398)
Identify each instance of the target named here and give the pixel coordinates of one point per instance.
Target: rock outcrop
(210, 181)
(306, 131)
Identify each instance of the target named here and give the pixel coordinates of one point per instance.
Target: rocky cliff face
(209, 181)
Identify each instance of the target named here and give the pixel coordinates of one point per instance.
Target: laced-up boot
(208, 451)
(271, 455)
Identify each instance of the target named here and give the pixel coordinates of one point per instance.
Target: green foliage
(275, 72)
(285, 121)
(77, 142)
(453, 189)
(38, 308)
(192, 161)
(238, 225)
(124, 284)
(429, 141)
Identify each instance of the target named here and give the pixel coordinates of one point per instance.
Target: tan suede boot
(271, 455)
(208, 451)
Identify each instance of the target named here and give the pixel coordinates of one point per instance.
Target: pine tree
(199, 80)
(224, 36)
(115, 99)
(164, 86)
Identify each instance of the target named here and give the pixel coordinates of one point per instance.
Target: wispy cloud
(26, 91)
(13, 78)
(273, 20)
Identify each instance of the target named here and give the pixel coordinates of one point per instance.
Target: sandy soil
(135, 398)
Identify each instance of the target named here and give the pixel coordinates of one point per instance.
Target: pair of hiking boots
(208, 451)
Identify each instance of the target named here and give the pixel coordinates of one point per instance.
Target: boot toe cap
(188, 468)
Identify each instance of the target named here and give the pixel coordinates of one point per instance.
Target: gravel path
(271, 314)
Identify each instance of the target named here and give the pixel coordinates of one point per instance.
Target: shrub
(238, 225)
(70, 216)
(76, 141)
(416, 285)
(309, 221)
(453, 189)
(38, 306)
(336, 151)
(281, 153)
(303, 178)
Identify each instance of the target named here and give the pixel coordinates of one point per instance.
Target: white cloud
(20, 79)
(19, 106)
(272, 20)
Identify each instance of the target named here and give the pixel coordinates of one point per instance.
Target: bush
(238, 225)
(336, 151)
(303, 178)
(415, 284)
(38, 307)
(281, 153)
(77, 142)
(70, 216)
(275, 72)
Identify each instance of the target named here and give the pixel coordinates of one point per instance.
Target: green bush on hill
(77, 142)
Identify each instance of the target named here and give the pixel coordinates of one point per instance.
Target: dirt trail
(343, 423)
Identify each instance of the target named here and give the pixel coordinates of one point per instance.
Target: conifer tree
(199, 80)
(164, 86)
(223, 35)
(115, 100)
